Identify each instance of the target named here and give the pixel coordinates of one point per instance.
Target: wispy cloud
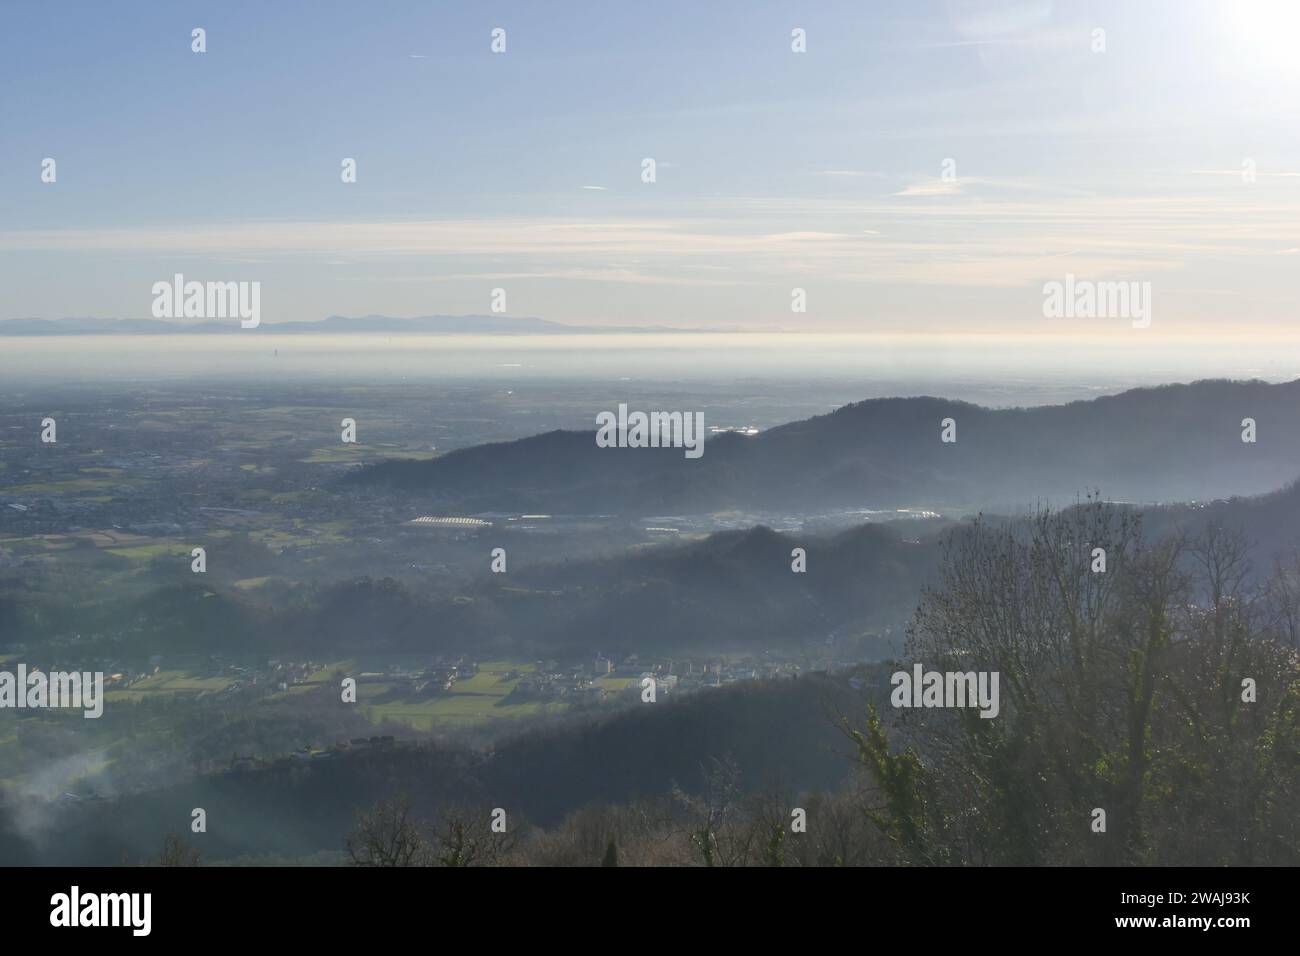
(950, 241)
(850, 174)
(931, 187)
(1239, 171)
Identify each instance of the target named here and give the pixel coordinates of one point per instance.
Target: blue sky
(775, 170)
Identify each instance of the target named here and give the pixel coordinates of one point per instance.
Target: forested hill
(1171, 443)
(780, 733)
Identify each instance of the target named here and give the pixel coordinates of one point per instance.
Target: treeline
(721, 824)
(1175, 442)
(778, 732)
(1150, 711)
(733, 590)
(1149, 715)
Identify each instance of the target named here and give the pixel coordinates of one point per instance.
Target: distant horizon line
(499, 325)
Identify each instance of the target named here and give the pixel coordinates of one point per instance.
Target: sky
(922, 167)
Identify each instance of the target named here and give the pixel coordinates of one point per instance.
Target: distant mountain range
(1170, 443)
(334, 324)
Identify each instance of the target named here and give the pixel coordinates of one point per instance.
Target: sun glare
(1264, 35)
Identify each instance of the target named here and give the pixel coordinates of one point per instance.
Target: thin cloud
(935, 187)
(849, 174)
(1238, 172)
(1002, 241)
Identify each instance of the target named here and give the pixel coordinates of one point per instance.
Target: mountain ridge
(1176, 442)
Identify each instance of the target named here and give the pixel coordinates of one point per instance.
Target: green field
(614, 683)
(70, 486)
(167, 683)
(161, 547)
(480, 698)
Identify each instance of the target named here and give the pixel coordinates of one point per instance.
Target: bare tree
(1075, 613)
(465, 837)
(715, 824)
(387, 835)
